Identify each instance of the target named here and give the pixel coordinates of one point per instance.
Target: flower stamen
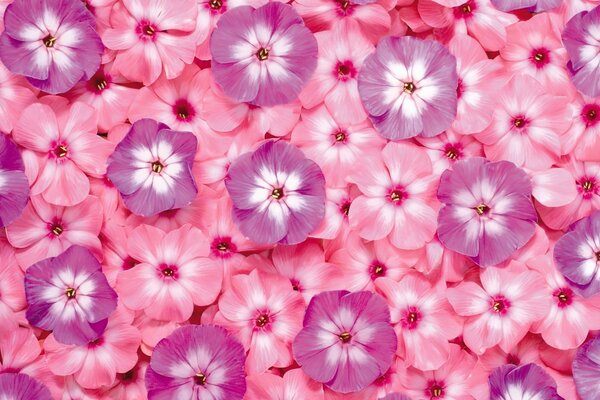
(409, 87)
(157, 167)
(70, 293)
(345, 337)
(262, 54)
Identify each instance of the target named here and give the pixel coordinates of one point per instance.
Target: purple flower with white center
(278, 194)
(263, 56)
(581, 40)
(22, 387)
(586, 370)
(197, 362)
(408, 87)
(14, 187)
(347, 341)
(534, 6)
(70, 296)
(152, 168)
(577, 255)
(529, 381)
(488, 213)
(53, 43)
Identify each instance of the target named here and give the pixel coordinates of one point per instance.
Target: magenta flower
(53, 43)
(408, 87)
(152, 168)
(278, 194)
(197, 362)
(14, 187)
(528, 381)
(262, 56)
(70, 296)
(577, 255)
(22, 387)
(488, 214)
(580, 40)
(586, 370)
(347, 341)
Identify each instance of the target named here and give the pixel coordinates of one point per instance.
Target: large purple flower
(347, 341)
(577, 255)
(488, 213)
(408, 87)
(152, 168)
(586, 370)
(70, 296)
(53, 43)
(581, 41)
(14, 187)
(22, 387)
(263, 56)
(197, 362)
(532, 5)
(278, 194)
(529, 381)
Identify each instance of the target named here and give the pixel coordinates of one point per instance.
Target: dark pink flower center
(262, 320)
(590, 114)
(215, 4)
(410, 318)
(345, 337)
(99, 82)
(344, 70)
(222, 247)
(146, 30)
(183, 110)
(377, 269)
(339, 137)
(540, 57)
(465, 10)
(345, 207)
(96, 342)
(397, 195)
(56, 228)
(435, 389)
(512, 359)
(587, 186)
(500, 305)
(564, 296)
(60, 151)
(200, 379)
(459, 88)
(345, 7)
(128, 263)
(453, 151)
(519, 122)
(168, 271)
(295, 284)
(262, 54)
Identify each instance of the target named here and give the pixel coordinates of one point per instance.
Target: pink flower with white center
(64, 147)
(152, 36)
(582, 140)
(502, 310)
(265, 314)
(527, 120)
(335, 225)
(398, 197)
(477, 76)
(341, 54)
(449, 147)
(44, 230)
(173, 275)
(422, 318)
(336, 146)
(130, 384)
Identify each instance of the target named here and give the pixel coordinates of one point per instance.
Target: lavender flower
(14, 187)
(529, 381)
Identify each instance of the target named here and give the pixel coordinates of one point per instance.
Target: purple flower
(577, 255)
(278, 194)
(263, 56)
(529, 381)
(396, 396)
(580, 39)
(53, 43)
(22, 387)
(347, 341)
(152, 168)
(408, 87)
(534, 6)
(586, 370)
(70, 296)
(488, 214)
(14, 187)
(197, 362)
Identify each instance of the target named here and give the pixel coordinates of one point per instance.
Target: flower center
(345, 208)
(49, 41)
(519, 122)
(500, 305)
(100, 84)
(215, 4)
(513, 359)
(589, 114)
(465, 10)
(344, 4)
(598, 256)
(157, 167)
(481, 209)
(262, 54)
(345, 337)
(409, 87)
(222, 246)
(148, 30)
(340, 136)
(587, 187)
(411, 318)
(437, 391)
(56, 229)
(540, 57)
(168, 272)
(376, 270)
(396, 195)
(183, 110)
(61, 151)
(262, 320)
(277, 193)
(70, 293)
(564, 296)
(200, 379)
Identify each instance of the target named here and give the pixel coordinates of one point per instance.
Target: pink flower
(12, 293)
(337, 206)
(44, 230)
(423, 320)
(15, 96)
(397, 196)
(152, 36)
(293, 385)
(173, 275)
(265, 314)
(502, 310)
(64, 148)
(583, 137)
(449, 147)
(130, 384)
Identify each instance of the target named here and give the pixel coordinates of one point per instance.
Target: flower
(22, 387)
(278, 195)
(580, 39)
(583, 137)
(151, 168)
(294, 384)
(15, 95)
(408, 87)
(14, 187)
(347, 341)
(69, 295)
(174, 273)
(577, 255)
(528, 381)
(488, 214)
(54, 43)
(534, 6)
(197, 361)
(273, 65)
(265, 313)
(151, 37)
(586, 370)
(12, 293)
